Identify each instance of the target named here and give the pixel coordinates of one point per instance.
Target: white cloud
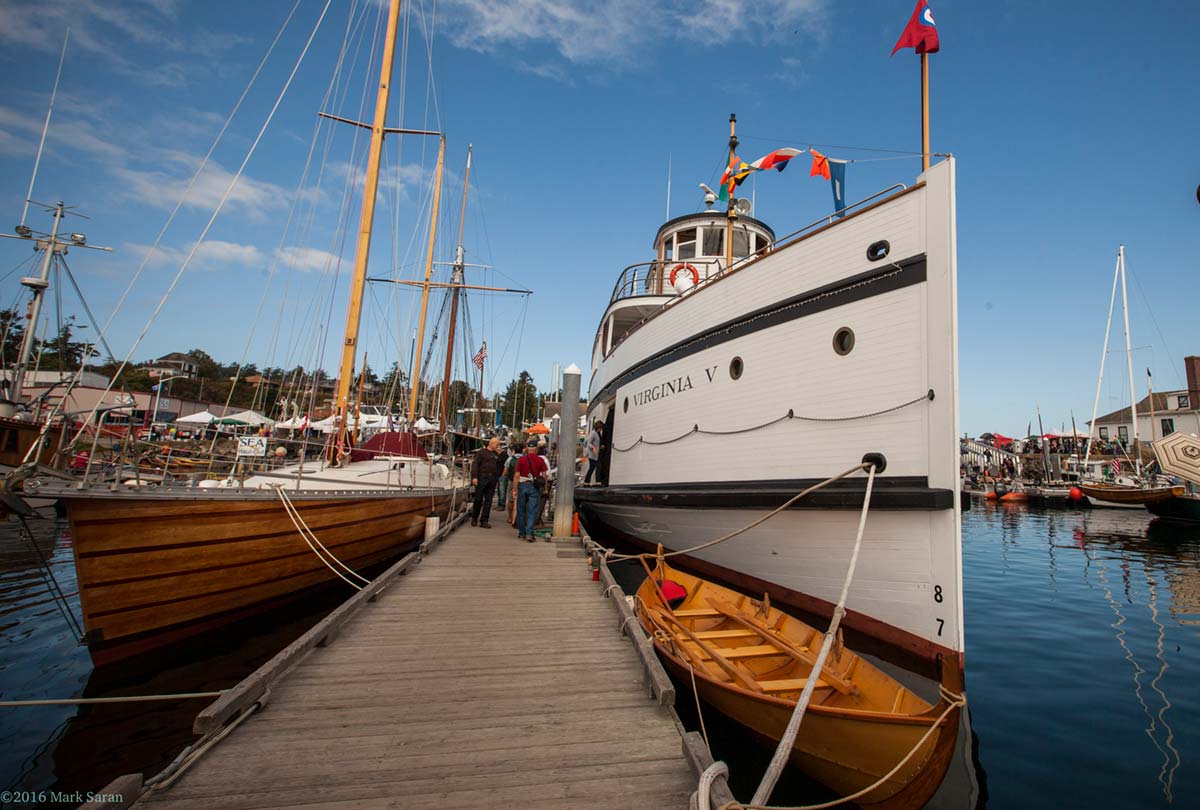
(213, 254)
(105, 29)
(306, 259)
(162, 189)
(615, 32)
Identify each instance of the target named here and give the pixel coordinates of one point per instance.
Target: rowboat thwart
(751, 662)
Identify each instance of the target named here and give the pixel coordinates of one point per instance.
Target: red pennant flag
(921, 32)
(820, 165)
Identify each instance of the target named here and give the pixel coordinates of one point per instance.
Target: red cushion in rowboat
(674, 593)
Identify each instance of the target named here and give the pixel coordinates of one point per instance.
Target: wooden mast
(729, 212)
(455, 279)
(924, 111)
(437, 201)
(363, 248)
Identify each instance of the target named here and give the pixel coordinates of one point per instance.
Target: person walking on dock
(485, 472)
(509, 460)
(531, 478)
(591, 450)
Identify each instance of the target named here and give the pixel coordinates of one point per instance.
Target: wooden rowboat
(751, 662)
(1124, 495)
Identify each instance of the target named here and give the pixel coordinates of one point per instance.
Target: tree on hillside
(209, 368)
(12, 333)
(520, 401)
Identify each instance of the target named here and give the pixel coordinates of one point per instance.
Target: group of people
(519, 478)
(516, 475)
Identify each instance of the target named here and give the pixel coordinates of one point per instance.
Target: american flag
(480, 356)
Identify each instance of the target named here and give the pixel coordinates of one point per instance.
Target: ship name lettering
(664, 389)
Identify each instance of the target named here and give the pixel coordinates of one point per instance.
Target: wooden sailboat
(159, 564)
(751, 661)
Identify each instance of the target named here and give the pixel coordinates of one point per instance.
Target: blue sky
(1074, 124)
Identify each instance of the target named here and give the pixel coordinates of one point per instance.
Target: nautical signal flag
(737, 171)
(820, 165)
(837, 177)
(921, 32)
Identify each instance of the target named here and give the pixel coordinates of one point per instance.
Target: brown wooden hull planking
(153, 571)
(1115, 493)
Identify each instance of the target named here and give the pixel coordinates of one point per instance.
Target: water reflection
(1095, 633)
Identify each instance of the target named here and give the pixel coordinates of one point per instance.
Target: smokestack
(1192, 366)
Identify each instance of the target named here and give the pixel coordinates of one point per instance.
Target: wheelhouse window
(1123, 434)
(714, 241)
(742, 240)
(686, 244)
(668, 249)
(1168, 427)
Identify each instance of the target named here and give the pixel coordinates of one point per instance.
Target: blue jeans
(503, 490)
(527, 508)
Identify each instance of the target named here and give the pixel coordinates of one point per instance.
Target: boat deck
(490, 675)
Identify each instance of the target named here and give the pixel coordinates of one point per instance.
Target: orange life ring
(690, 268)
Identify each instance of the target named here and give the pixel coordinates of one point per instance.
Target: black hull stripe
(877, 281)
(894, 492)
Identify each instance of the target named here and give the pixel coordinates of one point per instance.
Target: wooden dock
(490, 675)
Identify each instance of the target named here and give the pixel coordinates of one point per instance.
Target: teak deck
(490, 675)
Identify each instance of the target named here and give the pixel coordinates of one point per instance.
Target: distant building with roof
(1172, 411)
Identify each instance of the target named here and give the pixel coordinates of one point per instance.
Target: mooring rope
(791, 414)
(303, 527)
(113, 699)
(610, 554)
(784, 749)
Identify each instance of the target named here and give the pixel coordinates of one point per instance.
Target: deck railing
(641, 278)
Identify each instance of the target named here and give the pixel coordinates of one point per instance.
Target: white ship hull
(732, 398)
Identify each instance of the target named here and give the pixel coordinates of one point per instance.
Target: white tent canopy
(295, 423)
(202, 418)
(424, 424)
(251, 418)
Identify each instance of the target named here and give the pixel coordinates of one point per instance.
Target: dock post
(564, 498)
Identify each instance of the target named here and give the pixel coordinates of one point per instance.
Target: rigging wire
(229, 190)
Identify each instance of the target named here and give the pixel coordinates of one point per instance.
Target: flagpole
(924, 111)
(733, 142)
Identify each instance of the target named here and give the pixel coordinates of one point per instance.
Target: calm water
(1082, 665)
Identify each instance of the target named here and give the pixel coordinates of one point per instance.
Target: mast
(1112, 300)
(1137, 457)
(363, 247)
(38, 285)
(46, 126)
(456, 278)
(729, 212)
(437, 197)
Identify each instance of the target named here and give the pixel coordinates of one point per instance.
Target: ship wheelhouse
(688, 251)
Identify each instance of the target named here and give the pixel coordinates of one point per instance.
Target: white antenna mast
(45, 127)
(668, 186)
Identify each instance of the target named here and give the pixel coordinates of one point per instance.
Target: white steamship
(729, 384)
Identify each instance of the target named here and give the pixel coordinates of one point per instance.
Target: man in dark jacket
(485, 472)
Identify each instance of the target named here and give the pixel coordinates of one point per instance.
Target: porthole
(878, 250)
(735, 368)
(843, 340)
(626, 406)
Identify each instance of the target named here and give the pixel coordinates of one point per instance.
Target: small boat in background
(1131, 495)
(751, 662)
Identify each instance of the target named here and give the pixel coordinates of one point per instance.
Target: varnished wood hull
(1129, 496)
(154, 570)
(846, 742)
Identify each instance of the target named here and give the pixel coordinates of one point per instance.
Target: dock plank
(490, 675)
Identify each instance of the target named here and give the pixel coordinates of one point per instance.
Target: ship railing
(641, 279)
(829, 220)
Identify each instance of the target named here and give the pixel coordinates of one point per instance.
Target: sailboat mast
(1112, 300)
(437, 201)
(456, 278)
(1137, 457)
(363, 247)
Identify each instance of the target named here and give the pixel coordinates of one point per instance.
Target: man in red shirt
(531, 479)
